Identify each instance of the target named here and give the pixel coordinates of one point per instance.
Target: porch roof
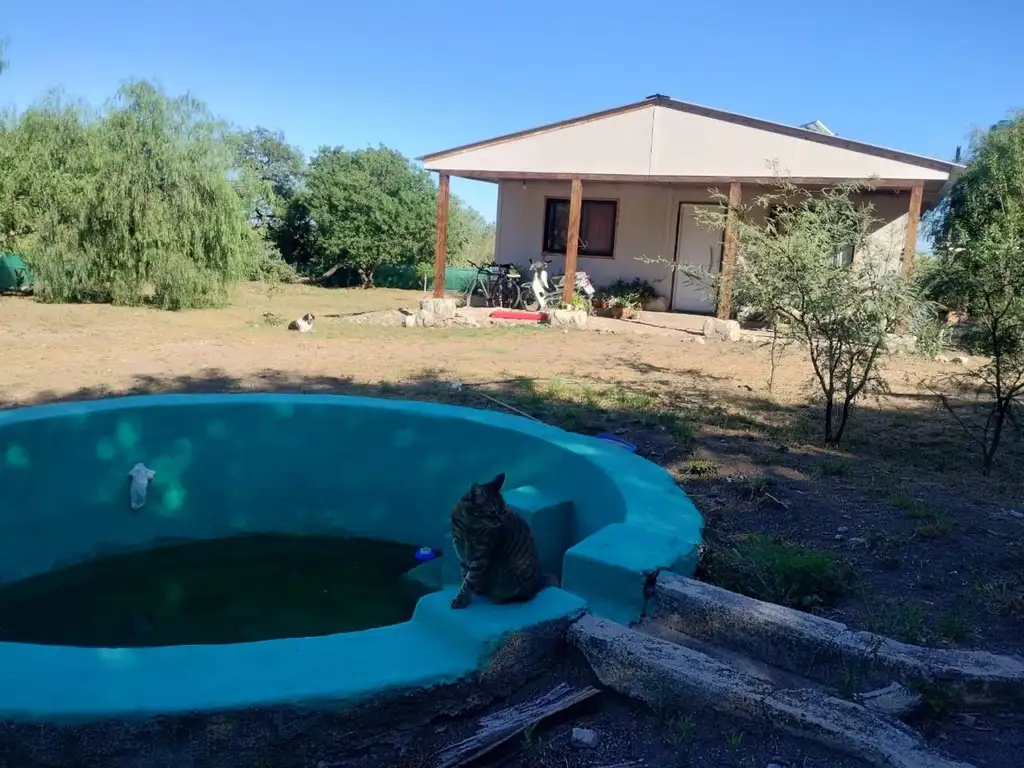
(662, 140)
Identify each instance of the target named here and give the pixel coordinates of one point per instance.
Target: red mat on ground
(517, 314)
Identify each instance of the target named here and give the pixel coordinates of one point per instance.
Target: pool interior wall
(605, 519)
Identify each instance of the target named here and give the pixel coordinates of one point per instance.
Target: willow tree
(157, 218)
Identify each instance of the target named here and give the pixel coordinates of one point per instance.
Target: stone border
(826, 650)
(661, 673)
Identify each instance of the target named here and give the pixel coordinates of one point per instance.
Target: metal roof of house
(669, 140)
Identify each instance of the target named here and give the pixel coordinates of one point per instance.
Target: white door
(695, 246)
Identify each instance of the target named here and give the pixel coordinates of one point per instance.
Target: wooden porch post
(913, 219)
(441, 238)
(729, 253)
(572, 239)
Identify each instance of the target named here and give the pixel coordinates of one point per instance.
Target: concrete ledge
(826, 650)
(549, 518)
(662, 673)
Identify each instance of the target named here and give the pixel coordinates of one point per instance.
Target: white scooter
(542, 293)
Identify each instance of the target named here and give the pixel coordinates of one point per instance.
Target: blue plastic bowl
(619, 441)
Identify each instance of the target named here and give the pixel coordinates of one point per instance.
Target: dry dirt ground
(910, 537)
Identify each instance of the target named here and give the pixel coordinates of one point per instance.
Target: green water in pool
(211, 592)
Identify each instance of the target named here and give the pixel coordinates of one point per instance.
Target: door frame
(675, 245)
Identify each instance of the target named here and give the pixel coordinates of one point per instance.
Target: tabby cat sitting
(496, 549)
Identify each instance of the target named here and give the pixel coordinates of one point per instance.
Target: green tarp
(14, 273)
(404, 276)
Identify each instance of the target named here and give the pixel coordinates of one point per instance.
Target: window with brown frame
(597, 226)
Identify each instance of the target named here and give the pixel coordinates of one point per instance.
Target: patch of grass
(778, 571)
(834, 467)
(883, 546)
(529, 737)
(940, 699)
(755, 487)
(1003, 596)
(900, 619)
(934, 522)
(631, 399)
(701, 468)
(735, 741)
(953, 627)
(681, 731)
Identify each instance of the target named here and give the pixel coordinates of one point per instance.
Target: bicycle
(496, 284)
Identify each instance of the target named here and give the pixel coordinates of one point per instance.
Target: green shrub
(778, 571)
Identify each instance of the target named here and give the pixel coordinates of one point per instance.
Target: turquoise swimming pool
(317, 465)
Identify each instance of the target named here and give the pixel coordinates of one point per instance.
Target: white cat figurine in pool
(141, 476)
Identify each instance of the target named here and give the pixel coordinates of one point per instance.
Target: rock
(567, 318)
(842, 529)
(426, 319)
(656, 671)
(698, 340)
(410, 321)
(898, 344)
(893, 700)
(941, 358)
(839, 537)
(657, 304)
(443, 309)
(584, 737)
(722, 330)
(962, 360)
(810, 645)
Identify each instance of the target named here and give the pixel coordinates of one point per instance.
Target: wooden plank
(498, 728)
(572, 239)
(729, 253)
(441, 238)
(913, 220)
(800, 181)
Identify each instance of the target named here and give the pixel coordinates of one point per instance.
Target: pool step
(611, 568)
(482, 626)
(549, 517)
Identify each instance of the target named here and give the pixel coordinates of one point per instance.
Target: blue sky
(422, 76)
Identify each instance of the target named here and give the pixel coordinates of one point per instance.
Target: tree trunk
(1002, 407)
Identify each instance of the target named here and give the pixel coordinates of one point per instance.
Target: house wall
(646, 228)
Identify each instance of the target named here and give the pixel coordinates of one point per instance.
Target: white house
(634, 175)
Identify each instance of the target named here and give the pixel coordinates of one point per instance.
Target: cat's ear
(495, 484)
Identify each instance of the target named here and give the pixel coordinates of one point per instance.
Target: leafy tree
(793, 268)
(157, 217)
(47, 166)
(469, 227)
(978, 237)
(368, 208)
(269, 176)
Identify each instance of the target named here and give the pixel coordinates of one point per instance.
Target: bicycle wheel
(477, 290)
(514, 297)
(527, 299)
(506, 293)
